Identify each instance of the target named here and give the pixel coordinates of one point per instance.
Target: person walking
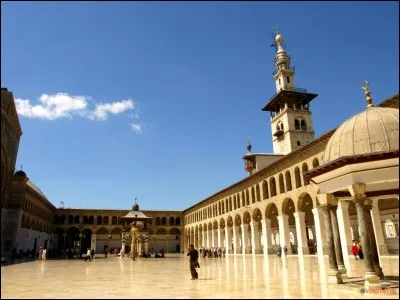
(44, 252)
(354, 250)
(92, 253)
(88, 254)
(193, 261)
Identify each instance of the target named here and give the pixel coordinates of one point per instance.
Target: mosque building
(311, 195)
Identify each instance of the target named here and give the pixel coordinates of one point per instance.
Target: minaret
(249, 160)
(291, 121)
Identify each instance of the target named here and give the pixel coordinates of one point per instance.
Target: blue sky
(155, 100)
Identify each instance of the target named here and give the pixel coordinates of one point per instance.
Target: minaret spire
(365, 87)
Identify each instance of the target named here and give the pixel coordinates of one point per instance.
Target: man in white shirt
(88, 255)
(44, 254)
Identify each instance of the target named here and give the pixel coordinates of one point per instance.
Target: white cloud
(102, 110)
(62, 105)
(137, 128)
(52, 106)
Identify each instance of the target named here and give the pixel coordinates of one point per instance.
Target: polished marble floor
(231, 277)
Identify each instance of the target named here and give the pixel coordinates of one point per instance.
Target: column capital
(357, 189)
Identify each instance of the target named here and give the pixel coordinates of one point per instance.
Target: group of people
(212, 252)
(356, 249)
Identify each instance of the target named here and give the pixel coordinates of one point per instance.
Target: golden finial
(248, 145)
(365, 87)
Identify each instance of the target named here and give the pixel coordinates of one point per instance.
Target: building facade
(277, 205)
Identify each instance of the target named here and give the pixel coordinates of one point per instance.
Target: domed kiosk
(360, 164)
(136, 228)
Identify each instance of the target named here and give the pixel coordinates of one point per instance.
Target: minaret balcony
(249, 166)
(278, 133)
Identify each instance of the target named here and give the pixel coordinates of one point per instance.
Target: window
(303, 125)
(297, 124)
(279, 126)
(390, 230)
(298, 143)
(288, 79)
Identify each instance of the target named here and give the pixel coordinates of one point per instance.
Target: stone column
(338, 244)
(93, 242)
(195, 238)
(245, 238)
(255, 237)
(334, 275)
(236, 249)
(219, 244)
(215, 237)
(319, 231)
(228, 240)
(371, 280)
(343, 219)
(372, 241)
(208, 238)
(199, 242)
(283, 222)
(266, 235)
(376, 222)
(302, 246)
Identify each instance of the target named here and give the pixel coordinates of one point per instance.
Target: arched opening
(297, 124)
(305, 205)
(76, 220)
(86, 240)
(258, 192)
(303, 125)
(247, 197)
(253, 195)
(158, 221)
(105, 220)
(163, 221)
(297, 177)
(62, 219)
(177, 221)
(265, 189)
(85, 220)
(91, 220)
(114, 220)
(272, 234)
(99, 220)
(272, 186)
(304, 169)
(243, 199)
(315, 162)
(281, 184)
(72, 239)
(56, 219)
(288, 178)
(71, 219)
(172, 221)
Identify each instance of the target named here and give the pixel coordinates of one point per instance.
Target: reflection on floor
(231, 277)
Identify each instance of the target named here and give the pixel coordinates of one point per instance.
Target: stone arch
(238, 220)
(99, 220)
(76, 220)
(265, 189)
(105, 220)
(72, 237)
(288, 179)
(304, 169)
(258, 196)
(222, 223)
(162, 231)
(209, 226)
(102, 230)
(305, 204)
(256, 214)
(172, 221)
(281, 184)
(238, 200)
(271, 212)
(288, 208)
(247, 197)
(297, 177)
(315, 162)
(174, 231)
(253, 195)
(246, 218)
(229, 221)
(164, 221)
(158, 221)
(62, 219)
(85, 220)
(243, 199)
(86, 239)
(114, 220)
(177, 221)
(91, 220)
(215, 224)
(272, 186)
(70, 219)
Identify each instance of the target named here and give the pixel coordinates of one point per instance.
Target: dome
(374, 130)
(20, 173)
(135, 207)
(279, 39)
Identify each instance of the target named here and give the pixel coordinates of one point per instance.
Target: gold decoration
(365, 87)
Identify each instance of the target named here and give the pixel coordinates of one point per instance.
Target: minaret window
(279, 126)
(297, 124)
(288, 79)
(303, 125)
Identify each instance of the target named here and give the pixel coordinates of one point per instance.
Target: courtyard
(241, 276)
